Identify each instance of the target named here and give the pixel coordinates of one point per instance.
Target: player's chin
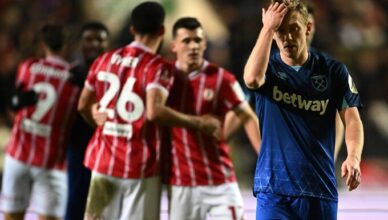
(195, 64)
(288, 51)
(193, 58)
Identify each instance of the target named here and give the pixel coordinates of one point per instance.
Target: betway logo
(298, 102)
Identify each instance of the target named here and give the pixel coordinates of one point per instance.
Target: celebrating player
(131, 85)
(35, 161)
(201, 176)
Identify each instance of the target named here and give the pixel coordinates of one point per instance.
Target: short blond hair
(295, 5)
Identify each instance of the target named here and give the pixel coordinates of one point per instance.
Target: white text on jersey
(124, 61)
(38, 68)
(298, 102)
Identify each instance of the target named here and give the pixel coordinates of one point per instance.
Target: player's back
(127, 145)
(40, 131)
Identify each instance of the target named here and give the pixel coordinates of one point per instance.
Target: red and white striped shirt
(195, 158)
(39, 132)
(127, 145)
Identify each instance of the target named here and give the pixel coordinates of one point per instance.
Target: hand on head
(273, 16)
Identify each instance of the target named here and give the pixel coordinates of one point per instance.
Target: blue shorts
(274, 206)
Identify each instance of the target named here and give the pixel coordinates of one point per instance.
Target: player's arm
(22, 96)
(243, 116)
(354, 139)
(256, 66)
(85, 103)
(339, 135)
(157, 111)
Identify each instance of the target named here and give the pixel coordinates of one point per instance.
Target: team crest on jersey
(320, 82)
(208, 94)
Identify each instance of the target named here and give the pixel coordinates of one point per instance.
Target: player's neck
(50, 53)
(298, 60)
(151, 42)
(189, 68)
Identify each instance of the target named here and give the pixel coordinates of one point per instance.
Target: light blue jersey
(296, 110)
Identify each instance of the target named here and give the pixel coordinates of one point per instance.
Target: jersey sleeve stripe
(23, 71)
(218, 86)
(88, 86)
(157, 86)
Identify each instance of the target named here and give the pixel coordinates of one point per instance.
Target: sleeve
(250, 97)
(270, 80)
(23, 73)
(91, 78)
(22, 95)
(161, 76)
(348, 94)
(231, 93)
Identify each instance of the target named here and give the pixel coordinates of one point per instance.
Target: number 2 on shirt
(34, 125)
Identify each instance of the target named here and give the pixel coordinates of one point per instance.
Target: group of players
(152, 122)
(131, 92)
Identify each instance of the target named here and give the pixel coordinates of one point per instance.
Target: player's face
(189, 46)
(93, 43)
(291, 36)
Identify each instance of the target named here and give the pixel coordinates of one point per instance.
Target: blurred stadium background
(353, 31)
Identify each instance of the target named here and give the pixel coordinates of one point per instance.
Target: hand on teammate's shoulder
(23, 98)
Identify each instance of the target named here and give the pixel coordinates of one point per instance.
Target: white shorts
(43, 190)
(116, 198)
(222, 202)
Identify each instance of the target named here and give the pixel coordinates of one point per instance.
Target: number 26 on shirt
(125, 96)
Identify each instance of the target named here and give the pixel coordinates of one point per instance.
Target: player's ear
(161, 30)
(132, 30)
(205, 41)
(43, 48)
(309, 28)
(173, 45)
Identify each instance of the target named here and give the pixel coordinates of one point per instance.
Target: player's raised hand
(350, 170)
(273, 16)
(99, 116)
(210, 125)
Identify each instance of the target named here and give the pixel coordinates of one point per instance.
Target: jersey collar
(58, 60)
(195, 72)
(141, 46)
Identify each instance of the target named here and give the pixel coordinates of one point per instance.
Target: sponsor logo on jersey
(319, 82)
(117, 129)
(36, 128)
(299, 102)
(38, 68)
(124, 61)
(281, 75)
